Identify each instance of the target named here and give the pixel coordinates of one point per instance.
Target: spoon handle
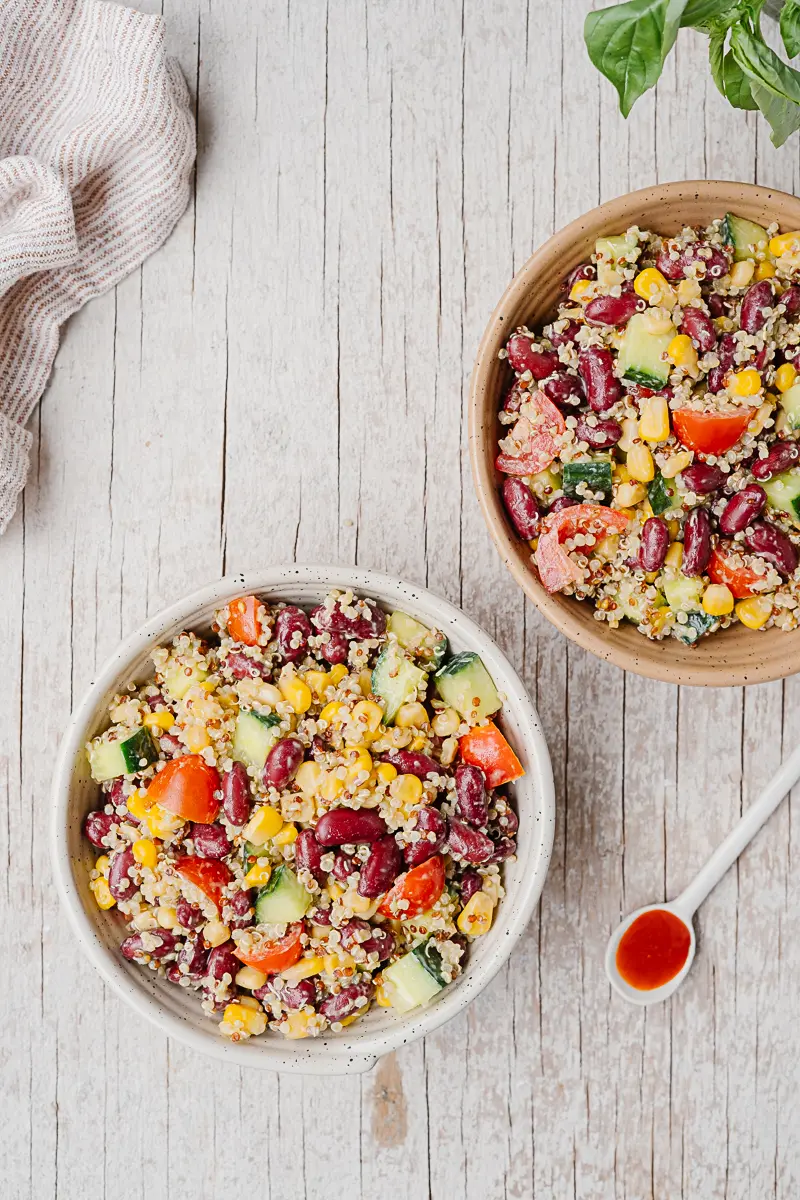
(740, 836)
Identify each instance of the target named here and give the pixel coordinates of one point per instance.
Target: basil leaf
(782, 115)
(762, 65)
(736, 85)
(710, 15)
(790, 27)
(629, 42)
(716, 59)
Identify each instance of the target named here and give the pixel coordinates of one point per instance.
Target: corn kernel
(406, 789)
(160, 823)
(349, 1020)
(744, 383)
(446, 722)
(579, 289)
(409, 715)
(640, 464)
(158, 720)
(762, 415)
(308, 778)
(674, 555)
(357, 760)
(386, 772)
(606, 548)
(215, 933)
(138, 805)
(383, 996)
(102, 893)
(294, 691)
(417, 743)
(674, 527)
(337, 962)
(286, 836)
(742, 272)
(196, 738)
(103, 864)
(677, 463)
(365, 682)
(317, 681)
(167, 916)
(717, 600)
(785, 243)
(304, 969)
(785, 376)
(658, 618)
(335, 891)
(682, 353)
(475, 917)
(145, 852)
(257, 876)
(337, 673)
(239, 1021)
(630, 431)
(656, 321)
(263, 825)
(654, 421)
(361, 905)
(333, 713)
(688, 290)
(765, 270)
(250, 978)
(651, 285)
(331, 787)
(296, 1024)
(755, 611)
(368, 715)
(630, 494)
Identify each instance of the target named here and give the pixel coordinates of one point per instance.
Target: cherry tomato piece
(187, 787)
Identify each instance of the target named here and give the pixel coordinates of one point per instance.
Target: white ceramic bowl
(177, 1012)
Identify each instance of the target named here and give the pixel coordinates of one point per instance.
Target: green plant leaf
(736, 85)
(790, 27)
(629, 42)
(710, 15)
(782, 115)
(774, 85)
(716, 59)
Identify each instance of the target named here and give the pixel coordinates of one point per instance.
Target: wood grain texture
(286, 379)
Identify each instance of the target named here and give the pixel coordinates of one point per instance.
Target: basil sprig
(629, 43)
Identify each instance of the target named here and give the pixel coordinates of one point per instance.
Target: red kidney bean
(790, 299)
(241, 666)
(114, 794)
(320, 916)
(336, 649)
(763, 357)
(372, 939)
(189, 916)
(563, 389)
(132, 947)
(523, 357)
(718, 305)
(344, 865)
(470, 844)
(726, 349)
(561, 503)
(585, 270)
(700, 328)
(194, 955)
(514, 397)
(282, 762)
(757, 298)
(471, 800)
(654, 544)
(702, 478)
(308, 853)
(428, 820)
(381, 868)
(349, 825)
(291, 996)
(601, 435)
(503, 849)
(772, 544)
(120, 883)
(172, 745)
(290, 622)
(713, 262)
(742, 509)
(98, 826)
(343, 1004)
(696, 542)
(173, 973)
(469, 883)
(239, 912)
(782, 456)
(522, 509)
(412, 762)
(567, 334)
(210, 841)
(596, 368)
(371, 623)
(614, 310)
(507, 819)
(222, 961)
(236, 799)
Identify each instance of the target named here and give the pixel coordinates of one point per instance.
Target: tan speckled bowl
(735, 656)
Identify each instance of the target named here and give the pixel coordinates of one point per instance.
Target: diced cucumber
(254, 737)
(661, 493)
(410, 982)
(614, 253)
(697, 624)
(395, 678)
(431, 959)
(544, 483)
(594, 472)
(121, 752)
(466, 685)
(643, 355)
(683, 593)
(177, 682)
(783, 493)
(633, 601)
(790, 403)
(427, 644)
(282, 900)
(748, 239)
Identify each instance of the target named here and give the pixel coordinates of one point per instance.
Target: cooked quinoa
(304, 813)
(650, 435)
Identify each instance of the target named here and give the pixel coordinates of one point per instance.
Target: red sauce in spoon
(653, 949)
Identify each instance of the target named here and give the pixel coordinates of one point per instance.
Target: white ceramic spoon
(685, 906)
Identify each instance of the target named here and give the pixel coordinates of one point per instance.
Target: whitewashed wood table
(287, 380)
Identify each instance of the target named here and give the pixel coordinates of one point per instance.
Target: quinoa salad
(304, 813)
(649, 439)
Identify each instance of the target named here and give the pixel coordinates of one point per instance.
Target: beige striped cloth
(97, 145)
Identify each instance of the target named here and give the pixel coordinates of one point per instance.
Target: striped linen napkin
(97, 144)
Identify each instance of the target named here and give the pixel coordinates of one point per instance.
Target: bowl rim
(356, 1052)
(484, 477)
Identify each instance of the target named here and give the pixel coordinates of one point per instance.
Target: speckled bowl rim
(346, 1052)
(599, 639)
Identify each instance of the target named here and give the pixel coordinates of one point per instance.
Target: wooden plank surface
(287, 379)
